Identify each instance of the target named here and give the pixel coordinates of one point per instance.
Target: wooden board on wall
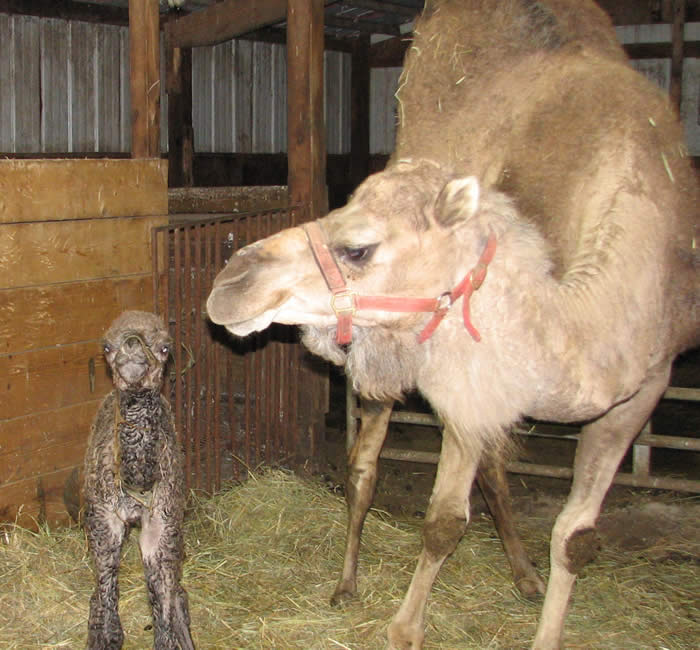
(75, 248)
(35, 317)
(52, 190)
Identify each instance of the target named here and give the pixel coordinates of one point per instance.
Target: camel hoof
(531, 587)
(404, 637)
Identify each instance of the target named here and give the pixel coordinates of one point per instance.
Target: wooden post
(359, 116)
(144, 60)
(305, 119)
(307, 186)
(676, 85)
(180, 131)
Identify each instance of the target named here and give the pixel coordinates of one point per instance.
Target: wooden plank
(226, 199)
(52, 378)
(144, 62)
(20, 465)
(39, 317)
(225, 20)
(32, 433)
(36, 500)
(65, 251)
(38, 190)
(306, 146)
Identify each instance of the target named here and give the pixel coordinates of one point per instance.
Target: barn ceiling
(343, 18)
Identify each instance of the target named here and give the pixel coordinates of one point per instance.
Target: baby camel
(134, 476)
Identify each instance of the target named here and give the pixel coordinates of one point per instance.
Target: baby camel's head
(137, 346)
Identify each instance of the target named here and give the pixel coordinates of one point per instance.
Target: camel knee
(442, 533)
(573, 547)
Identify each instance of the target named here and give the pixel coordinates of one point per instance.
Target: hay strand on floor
(263, 558)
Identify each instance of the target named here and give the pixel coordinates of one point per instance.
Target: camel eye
(165, 350)
(106, 348)
(357, 254)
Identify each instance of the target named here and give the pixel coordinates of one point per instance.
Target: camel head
(137, 346)
(398, 236)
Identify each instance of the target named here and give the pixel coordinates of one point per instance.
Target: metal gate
(236, 402)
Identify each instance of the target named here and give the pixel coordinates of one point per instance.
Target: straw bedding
(263, 557)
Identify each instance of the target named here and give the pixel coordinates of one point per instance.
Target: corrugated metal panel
(7, 84)
(382, 114)
(54, 99)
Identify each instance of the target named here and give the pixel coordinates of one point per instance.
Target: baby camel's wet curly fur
(134, 476)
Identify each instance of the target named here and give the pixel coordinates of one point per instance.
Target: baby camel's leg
(162, 553)
(105, 533)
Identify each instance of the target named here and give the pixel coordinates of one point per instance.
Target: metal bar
(661, 482)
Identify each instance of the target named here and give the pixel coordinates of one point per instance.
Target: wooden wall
(75, 250)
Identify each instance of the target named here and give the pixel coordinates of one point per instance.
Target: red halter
(346, 302)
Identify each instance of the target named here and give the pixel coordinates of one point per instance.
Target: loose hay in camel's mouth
(263, 558)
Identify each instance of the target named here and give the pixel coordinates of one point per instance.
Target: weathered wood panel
(109, 90)
(34, 190)
(52, 378)
(72, 251)
(73, 257)
(34, 500)
(36, 317)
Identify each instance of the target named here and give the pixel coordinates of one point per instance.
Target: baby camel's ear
(458, 201)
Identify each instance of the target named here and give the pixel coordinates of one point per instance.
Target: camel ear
(457, 201)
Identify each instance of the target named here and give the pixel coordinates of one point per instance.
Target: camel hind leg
(493, 483)
(601, 447)
(106, 534)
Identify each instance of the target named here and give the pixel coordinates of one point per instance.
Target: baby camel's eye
(357, 254)
(106, 348)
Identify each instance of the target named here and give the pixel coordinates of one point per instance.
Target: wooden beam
(305, 121)
(225, 20)
(180, 129)
(676, 85)
(389, 53)
(144, 60)
(67, 10)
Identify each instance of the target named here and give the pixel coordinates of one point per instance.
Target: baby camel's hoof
(342, 596)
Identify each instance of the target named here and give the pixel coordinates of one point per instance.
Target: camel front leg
(601, 447)
(359, 488)
(162, 553)
(445, 523)
(494, 486)
(105, 534)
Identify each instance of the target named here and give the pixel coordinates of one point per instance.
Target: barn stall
(239, 406)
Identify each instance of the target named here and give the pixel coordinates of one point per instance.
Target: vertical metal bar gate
(235, 401)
